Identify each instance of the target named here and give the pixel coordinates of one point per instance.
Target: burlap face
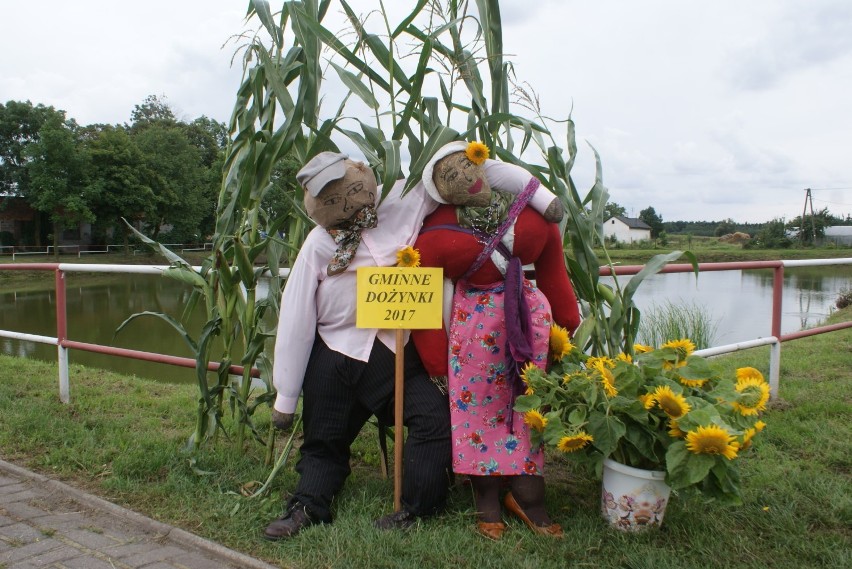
(461, 182)
(341, 199)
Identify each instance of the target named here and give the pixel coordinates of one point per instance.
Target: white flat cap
(323, 168)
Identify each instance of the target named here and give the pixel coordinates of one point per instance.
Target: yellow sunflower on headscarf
(477, 152)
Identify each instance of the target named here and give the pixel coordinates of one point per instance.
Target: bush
(845, 298)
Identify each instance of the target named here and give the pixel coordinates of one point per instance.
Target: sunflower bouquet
(664, 409)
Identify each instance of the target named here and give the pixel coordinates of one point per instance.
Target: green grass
(668, 321)
(121, 438)
(711, 250)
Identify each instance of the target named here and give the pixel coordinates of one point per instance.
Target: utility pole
(808, 200)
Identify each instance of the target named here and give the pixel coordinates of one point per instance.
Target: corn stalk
(436, 75)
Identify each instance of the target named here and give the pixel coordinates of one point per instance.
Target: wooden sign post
(399, 298)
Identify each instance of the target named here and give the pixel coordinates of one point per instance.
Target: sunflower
(648, 401)
(528, 371)
(574, 443)
(747, 436)
(642, 349)
(745, 373)
(477, 152)
(754, 393)
(712, 440)
(684, 347)
(759, 426)
(691, 382)
(408, 257)
(673, 404)
(624, 358)
(595, 361)
(674, 430)
(607, 379)
(535, 420)
(560, 345)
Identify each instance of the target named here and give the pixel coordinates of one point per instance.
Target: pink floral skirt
(479, 390)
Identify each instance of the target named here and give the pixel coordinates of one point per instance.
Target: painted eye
(355, 188)
(332, 201)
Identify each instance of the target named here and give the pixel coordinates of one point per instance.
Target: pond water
(739, 302)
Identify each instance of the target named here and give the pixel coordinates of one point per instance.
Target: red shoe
(553, 530)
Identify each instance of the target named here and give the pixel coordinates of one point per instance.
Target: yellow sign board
(396, 297)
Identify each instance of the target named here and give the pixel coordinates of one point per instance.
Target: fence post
(775, 348)
(774, 368)
(61, 336)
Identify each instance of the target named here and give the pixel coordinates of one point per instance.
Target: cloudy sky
(702, 110)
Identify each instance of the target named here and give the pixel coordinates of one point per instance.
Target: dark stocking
(529, 493)
(486, 497)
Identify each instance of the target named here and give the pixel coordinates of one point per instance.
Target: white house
(626, 229)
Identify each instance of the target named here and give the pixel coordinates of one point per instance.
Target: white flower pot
(633, 499)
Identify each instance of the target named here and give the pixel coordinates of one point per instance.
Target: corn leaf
(441, 136)
(356, 86)
(392, 165)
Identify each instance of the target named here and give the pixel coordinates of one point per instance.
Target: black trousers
(339, 395)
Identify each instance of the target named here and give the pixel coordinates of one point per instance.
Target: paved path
(45, 523)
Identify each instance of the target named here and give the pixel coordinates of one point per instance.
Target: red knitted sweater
(537, 242)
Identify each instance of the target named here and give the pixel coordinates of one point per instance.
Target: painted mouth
(475, 188)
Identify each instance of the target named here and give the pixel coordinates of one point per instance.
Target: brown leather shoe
(553, 530)
(491, 530)
(291, 523)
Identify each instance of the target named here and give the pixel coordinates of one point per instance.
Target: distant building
(626, 229)
(839, 234)
(21, 225)
(17, 220)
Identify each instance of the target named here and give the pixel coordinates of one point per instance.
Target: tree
(20, 123)
(57, 168)
(654, 221)
(772, 235)
(612, 209)
(210, 138)
(177, 179)
(813, 226)
(184, 169)
(725, 228)
(118, 182)
(152, 110)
